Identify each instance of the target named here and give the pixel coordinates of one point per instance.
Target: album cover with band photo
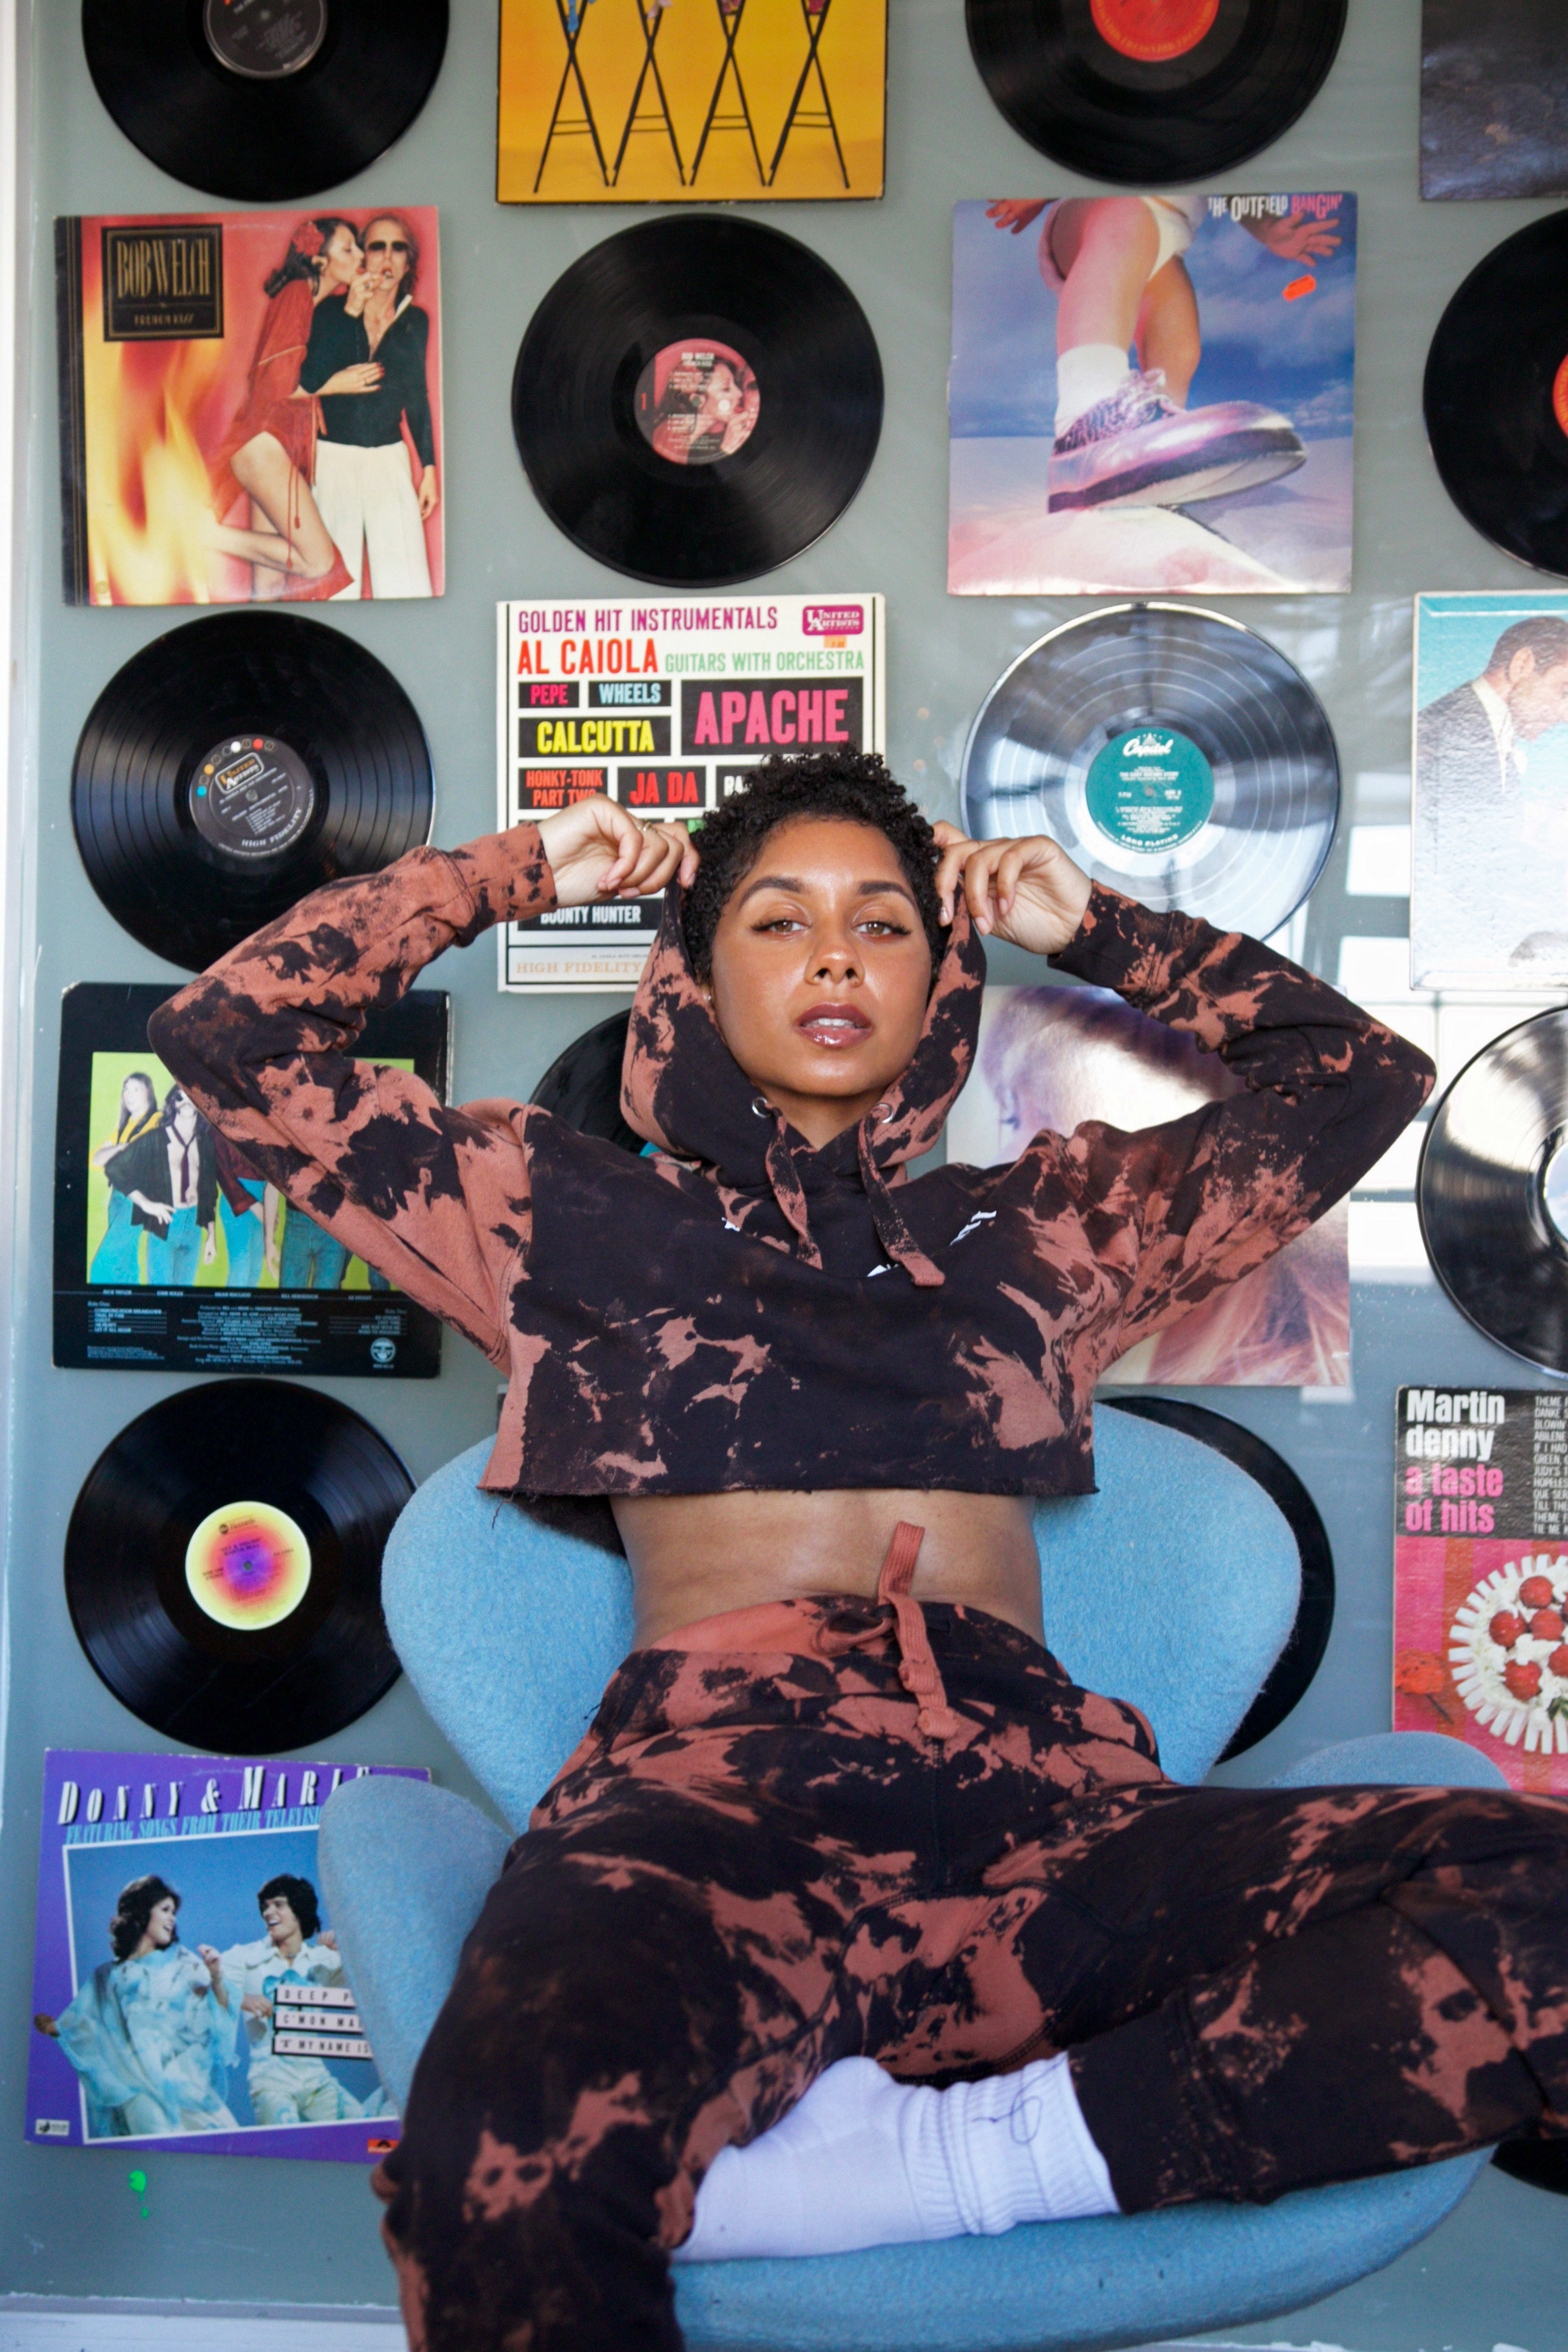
(172, 1254)
(188, 1992)
(250, 406)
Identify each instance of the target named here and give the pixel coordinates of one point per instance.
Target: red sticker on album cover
(1153, 31)
(696, 402)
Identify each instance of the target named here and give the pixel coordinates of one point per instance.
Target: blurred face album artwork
(1151, 392)
(1055, 1058)
(653, 102)
(188, 1991)
(1491, 99)
(250, 406)
(1489, 899)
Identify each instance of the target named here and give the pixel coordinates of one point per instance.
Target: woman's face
(386, 252)
(135, 1098)
(821, 971)
(341, 259)
(161, 1921)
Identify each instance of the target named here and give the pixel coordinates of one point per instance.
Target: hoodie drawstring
(891, 1230)
(789, 1192)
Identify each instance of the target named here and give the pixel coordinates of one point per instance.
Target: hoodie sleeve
(1179, 1210)
(435, 1198)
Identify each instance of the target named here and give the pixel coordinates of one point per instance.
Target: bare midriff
(694, 1555)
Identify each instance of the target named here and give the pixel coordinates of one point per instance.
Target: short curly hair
(854, 785)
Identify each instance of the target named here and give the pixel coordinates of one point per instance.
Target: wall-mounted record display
(235, 764)
(1492, 1191)
(223, 1566)
(260, 104)
(1174, 754)
(1495, 396)
(1146, 92)
(696, 400)
(1297, 1663)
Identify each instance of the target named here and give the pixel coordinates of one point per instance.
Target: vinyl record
(223, 1566)
(1174, 753)
(1492, 1191)
(1297, 1663)
(235, 764)
(260, 104)
(1495, 396)
(1146, 92)
(696, 400)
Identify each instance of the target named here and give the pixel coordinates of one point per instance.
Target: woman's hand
(1028, 891)
(363, 377)
(429, 493)
(598, 850)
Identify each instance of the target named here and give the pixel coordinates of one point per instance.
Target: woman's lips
(834, 1026)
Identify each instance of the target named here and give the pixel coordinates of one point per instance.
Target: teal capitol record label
(1150, 790)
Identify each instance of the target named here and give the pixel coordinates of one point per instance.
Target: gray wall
(233, 2229)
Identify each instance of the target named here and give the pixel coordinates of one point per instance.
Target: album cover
(666, 706)
(651, 101)
(1184, 422)
(188, 1994)
(237, 1279)
(1052, 1057)
(1492, 115)
(1480, 1575)
(250, 406)
(1489, 894)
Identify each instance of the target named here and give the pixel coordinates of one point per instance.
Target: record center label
(264, 39)
(1554, 1192)
(1150, 790)
(251, 797)
(1560, 397)
(696, 403)
(247, 1566)
(1153, 31)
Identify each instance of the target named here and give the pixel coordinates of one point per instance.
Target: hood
(683, 1090)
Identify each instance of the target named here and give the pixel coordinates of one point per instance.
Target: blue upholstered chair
(1174, 1587)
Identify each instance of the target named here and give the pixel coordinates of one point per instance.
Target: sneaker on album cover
(1136, 447)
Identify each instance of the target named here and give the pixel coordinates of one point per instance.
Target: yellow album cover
(650, 101)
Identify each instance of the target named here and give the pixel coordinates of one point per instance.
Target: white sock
(863, 2160)
(1090, 372)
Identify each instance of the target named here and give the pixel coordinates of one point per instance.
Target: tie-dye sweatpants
(758, 1862)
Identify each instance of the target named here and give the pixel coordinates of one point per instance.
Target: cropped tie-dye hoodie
(738, 1309)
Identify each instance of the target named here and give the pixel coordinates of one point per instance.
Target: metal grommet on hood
(761, 1106)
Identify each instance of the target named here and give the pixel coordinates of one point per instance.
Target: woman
(118, 1257)
(150, 2044)
(269, 453)
(370, 362)
(831, 1814)
(169, 1176)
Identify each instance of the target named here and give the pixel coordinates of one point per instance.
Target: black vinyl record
(261, 103)
(696, 400)
(235, 764)
(223, 1566)
(1146, 92)
(1176, 755)
(1492, 1191)
(1297, 1663)
(1495, 396)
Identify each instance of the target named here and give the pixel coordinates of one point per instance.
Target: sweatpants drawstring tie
(918, 1669)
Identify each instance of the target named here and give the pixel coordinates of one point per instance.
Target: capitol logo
(1148, 746)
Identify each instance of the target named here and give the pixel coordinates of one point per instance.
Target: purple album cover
(187, 1988)
(1492, 120)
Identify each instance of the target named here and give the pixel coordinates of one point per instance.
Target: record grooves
(258, 104)
(235, 764)
(1148, 92)
(696, 400)
(1174, 754)
(223, 1566)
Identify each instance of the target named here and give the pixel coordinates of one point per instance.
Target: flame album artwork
(250, 406)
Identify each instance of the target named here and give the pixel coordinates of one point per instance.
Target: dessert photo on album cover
(250, 406)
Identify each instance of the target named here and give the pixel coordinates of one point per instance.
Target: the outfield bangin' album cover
(651, 101)
(1152, 393)
(188, 1992)
(1054, 1058)
(172, 1254)
(250, 406)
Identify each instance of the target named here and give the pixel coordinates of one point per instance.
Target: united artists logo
(162, 284)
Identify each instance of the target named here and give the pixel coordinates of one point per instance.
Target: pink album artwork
(250, 406)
